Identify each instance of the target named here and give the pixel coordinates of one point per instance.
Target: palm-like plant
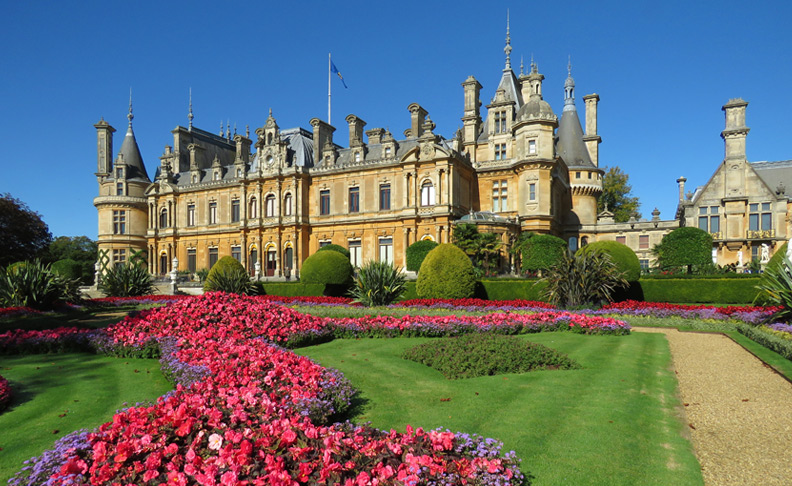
(775, 288)
(34, 284)
(231, 279)
(582, 279)
(378, 283)
(128, 280)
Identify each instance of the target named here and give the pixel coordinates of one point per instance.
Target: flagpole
(329, 63)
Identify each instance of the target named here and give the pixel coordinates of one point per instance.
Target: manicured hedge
(290, 289)
(510, 289)
(704, 290)
(766, 339)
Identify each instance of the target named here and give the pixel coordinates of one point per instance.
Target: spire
(130, 153)
(508, 47)
(130, 116)
(569, 89)
(228, 129)
(190, 114)
(221, 128)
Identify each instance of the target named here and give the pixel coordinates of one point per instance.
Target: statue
(739, 259)
(257, 268)
(789, 250)
(765, 253)
(98, 274)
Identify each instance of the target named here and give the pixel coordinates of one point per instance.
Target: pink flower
(215, 442)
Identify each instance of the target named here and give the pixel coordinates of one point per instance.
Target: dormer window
(500, 122)
(120, 173)
(120, 189)
(387, 151)
(357, 156)
(195, 179)
(217, 175)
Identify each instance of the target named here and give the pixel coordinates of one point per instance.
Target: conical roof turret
(570, 146)
(130, 153)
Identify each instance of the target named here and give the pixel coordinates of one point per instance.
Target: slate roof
(130, 152)
(775, 174)
(570, 145)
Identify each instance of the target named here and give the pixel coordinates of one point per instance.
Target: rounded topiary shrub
(67, 268)
(777, 258)
(685, 247)
(446, 273)
(541, 252)
(229, 275)
(333, 247)
(326, 267)
(417, 252)
(621, 255)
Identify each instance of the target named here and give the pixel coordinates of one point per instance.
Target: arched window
(269, 203)
(253, 208)
(287, 204)
(163, 221)
(427, 194)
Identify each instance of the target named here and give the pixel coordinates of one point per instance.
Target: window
(119, 257)
(384, 200)
(212, 214)
(191, 214)
(269, 206)
(499, 196)
(500, 122)
(644, 265)
(621, 239)
(355, 253)
(119, 222)
(709, 220)
(191, 260)
(532, 192)
(235, 210)
(236, 253)
(427, 194)
(212, 257)
(253, 208)
(386, 250)
(120, 189)
(324, 202)
(531, 147)
(754, 253)
(500, 151)
(357, 156)
(573, 244)
(354, 199)
(120, 172)
(643, 242)
(287, 204)
(387, 151)
(577, 175)
(163, 219)
(322, 244)
(583, 241)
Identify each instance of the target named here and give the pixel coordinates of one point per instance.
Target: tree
(482, 248)
(23, 234)
(684, 247)
(81, 249)
(617, 194)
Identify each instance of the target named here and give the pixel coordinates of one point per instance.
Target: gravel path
(739, 411)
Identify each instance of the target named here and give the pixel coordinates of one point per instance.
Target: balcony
(717, 236)
(760, 235)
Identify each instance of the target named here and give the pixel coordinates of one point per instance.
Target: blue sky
(662, 70)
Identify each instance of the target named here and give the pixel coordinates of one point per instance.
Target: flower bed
(748, 314)
(255, 414)
(5, 393)
(17, 311)
(475, 304)
(140, 299)
(20, 341)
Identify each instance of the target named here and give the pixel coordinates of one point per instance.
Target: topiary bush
(68, 268)
(621, 255)
(378, 283)
(326, 267)
(228, 275)
(446, 273)
(488, 354)
(417, 252)
(333, 247)
(541, 252)
(127, 280)
(684, 247)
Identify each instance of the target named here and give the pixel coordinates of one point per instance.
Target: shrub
(378, 283)
(541, 252)
(289, 289)
(228, 275)
(68, 268)
(621, 255)
(474, 355)
(777, 258)
(333, 247)
(583, 279)
(761, 335)
(684, 247)
(33, 284)
(417, 252)
(511, 289)
(446, 273)
(127, 280)
(328, 268)
(775, 288)
(709, 290)
(202, 273)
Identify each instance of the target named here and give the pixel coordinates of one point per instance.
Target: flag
(335, 70)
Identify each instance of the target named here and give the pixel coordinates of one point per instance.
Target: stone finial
(190, 115)
(656, 215)
(508, 47)
(130, 116)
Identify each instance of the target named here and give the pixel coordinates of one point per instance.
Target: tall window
(500, 151)
(499, 196)
(500, 122)
(387, 151)
(191, 214)
(120, 188)
(354, 199)
(213, 213)
(212, 256)
(384, 199)
(235, 210)
(709, 220)
(163, 222)
(119, 222)
(236, 253)
(253, 208)
(287, 204)
(531, 147)
(355, 253)
(324, 202)
(643, 242)
(119, 257)
(386, 250)
(192, 265)
(532, 191)
(269, 206)
(427, 194)
(760, 217)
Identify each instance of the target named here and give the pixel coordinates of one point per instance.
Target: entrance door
(272, 262)
(252, 261)
(287, 261)
(163, 264)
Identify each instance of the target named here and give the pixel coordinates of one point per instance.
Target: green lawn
(55, 394)
(614, 422)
